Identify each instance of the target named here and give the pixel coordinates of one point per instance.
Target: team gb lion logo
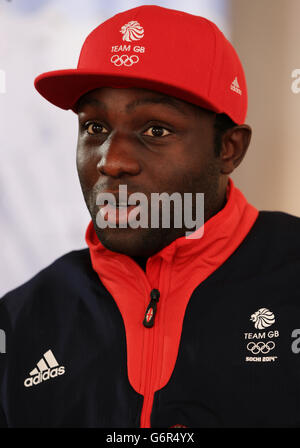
(132, 31)
(263, 318)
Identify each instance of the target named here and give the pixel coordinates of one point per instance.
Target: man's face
(152, 143)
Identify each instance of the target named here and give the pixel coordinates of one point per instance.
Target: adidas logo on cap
(46, 368)
(235, 86)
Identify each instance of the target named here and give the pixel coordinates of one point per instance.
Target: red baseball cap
(155, 48)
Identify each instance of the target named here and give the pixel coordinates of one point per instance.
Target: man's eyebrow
(168, 101)
(90, 101)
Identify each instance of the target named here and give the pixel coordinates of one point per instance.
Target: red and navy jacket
(205, 336)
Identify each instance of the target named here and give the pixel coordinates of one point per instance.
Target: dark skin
(152, 143)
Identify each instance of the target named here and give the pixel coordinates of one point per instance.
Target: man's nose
(119, 156)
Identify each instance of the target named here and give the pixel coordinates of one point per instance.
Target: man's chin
(128, 241)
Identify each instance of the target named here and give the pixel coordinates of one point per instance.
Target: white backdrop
(43, 214)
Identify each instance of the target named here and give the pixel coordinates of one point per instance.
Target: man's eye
(95, 128)
(157, 131)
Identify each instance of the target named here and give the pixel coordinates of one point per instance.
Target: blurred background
(43, 214)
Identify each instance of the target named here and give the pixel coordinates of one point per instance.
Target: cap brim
(63, 88)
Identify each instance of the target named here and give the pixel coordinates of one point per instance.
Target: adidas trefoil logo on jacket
(46, 368)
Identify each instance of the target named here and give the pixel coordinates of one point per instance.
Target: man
(155, 326)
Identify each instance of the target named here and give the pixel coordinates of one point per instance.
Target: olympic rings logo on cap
(260, 347)
(126, 60)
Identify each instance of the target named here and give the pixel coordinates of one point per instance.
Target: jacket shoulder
(273, 242)
(279, 228)
(66, 272)
(279, 219)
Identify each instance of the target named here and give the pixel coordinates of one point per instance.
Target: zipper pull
(151, 309)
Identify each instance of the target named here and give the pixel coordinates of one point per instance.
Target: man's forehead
(133, 97)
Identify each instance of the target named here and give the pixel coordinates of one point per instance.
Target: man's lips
(115, 209)
(118, 214)
(119, 198)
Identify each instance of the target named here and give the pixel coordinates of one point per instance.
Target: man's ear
(235, 142)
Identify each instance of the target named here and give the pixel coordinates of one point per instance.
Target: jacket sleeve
(4, 329)
(3, 423)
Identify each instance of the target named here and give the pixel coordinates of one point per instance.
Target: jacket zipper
(151, 309)
(153, 349)
(150, 360)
